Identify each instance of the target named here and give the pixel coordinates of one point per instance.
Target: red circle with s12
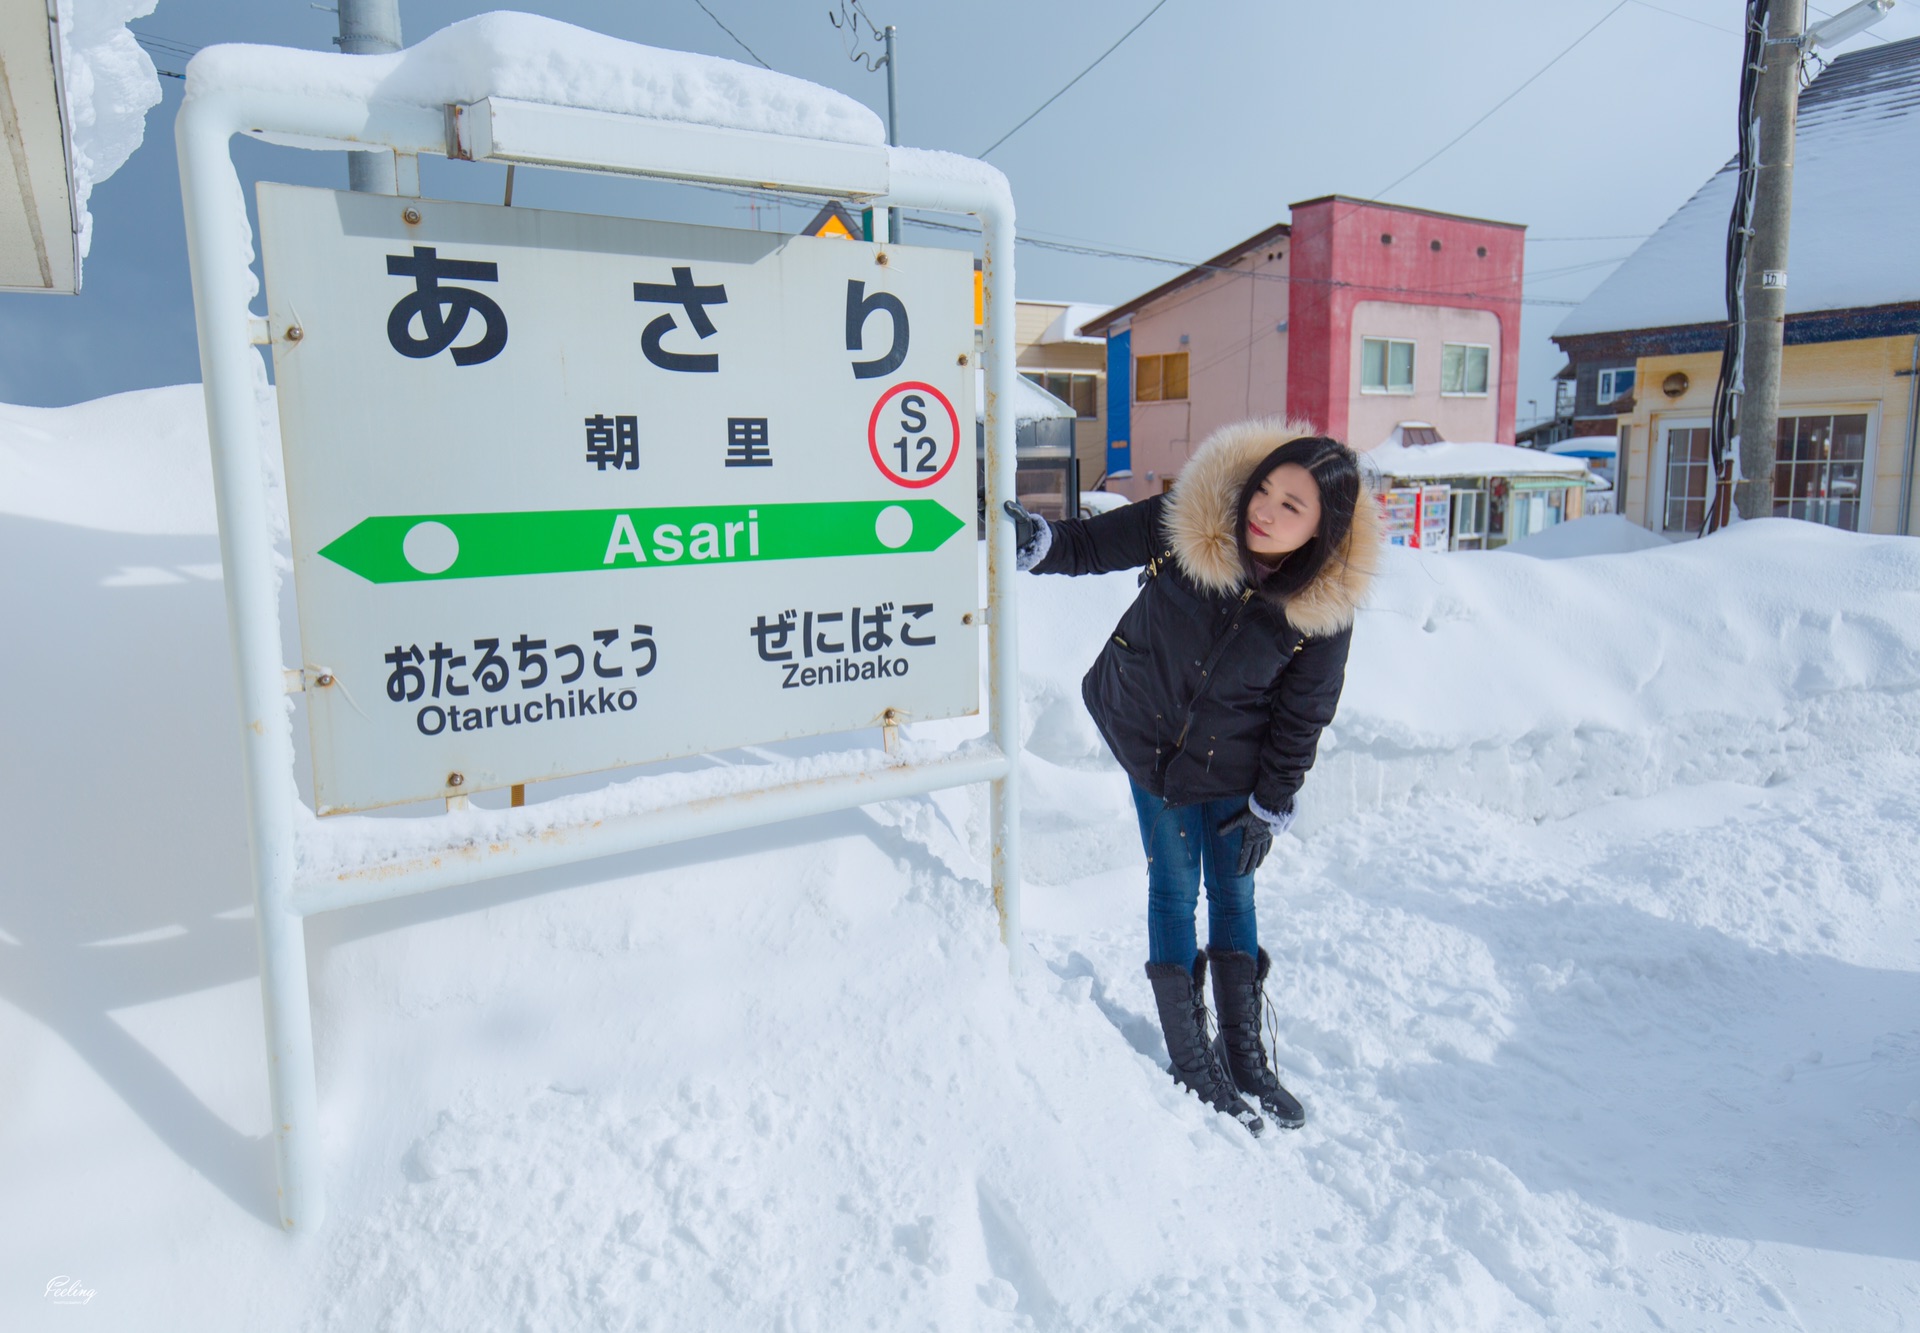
(914, 472)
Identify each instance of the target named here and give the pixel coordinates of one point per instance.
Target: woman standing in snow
(1212, 692)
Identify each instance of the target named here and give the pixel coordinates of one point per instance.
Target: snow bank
(536, 59)
(1539, 688)
(1596, 534)
(136, 462)
(111, 85)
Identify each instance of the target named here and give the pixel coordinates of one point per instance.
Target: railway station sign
(570, 493)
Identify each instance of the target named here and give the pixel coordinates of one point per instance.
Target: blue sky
(1196, 132)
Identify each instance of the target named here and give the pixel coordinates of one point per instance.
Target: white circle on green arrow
(893, 526)
(431, 547)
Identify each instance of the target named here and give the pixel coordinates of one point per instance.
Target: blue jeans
(1180, 839)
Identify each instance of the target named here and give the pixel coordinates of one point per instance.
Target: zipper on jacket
(1206, 668)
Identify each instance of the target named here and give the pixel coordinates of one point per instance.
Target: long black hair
(1336, 471)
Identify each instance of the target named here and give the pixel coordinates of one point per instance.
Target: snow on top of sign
(1450, 459)
(535, 59)
(930, 164)
(110, 86)
(1856, 203)
(1030, 401)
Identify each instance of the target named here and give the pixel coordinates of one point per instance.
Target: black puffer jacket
(1206, 688)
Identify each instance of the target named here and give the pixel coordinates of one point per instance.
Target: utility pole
(1764, 284)
(370, 27)
(893, 128)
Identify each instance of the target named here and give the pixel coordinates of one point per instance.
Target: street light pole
(370, 27)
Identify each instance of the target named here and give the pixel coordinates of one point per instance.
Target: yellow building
(1645, 348)
(1052, 353)
(1844, 445)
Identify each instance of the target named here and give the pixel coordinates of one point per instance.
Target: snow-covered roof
(1066, 325)
(534, 59)
(1586, 446)
(1856, 211)
(1430, 462)
(1030, 401)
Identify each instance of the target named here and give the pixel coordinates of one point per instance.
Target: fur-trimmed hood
(1204, 507)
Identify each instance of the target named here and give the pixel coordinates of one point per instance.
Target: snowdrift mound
(1597, 534)
(1539, 688)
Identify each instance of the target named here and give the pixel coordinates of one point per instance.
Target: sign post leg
(218, 248)
(1004, 657)
(290, 1075)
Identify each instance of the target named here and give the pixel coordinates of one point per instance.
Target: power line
(731, 33)
(1075, 79)
(163, 45)
(1674, 13)
(1565, 51)
(1109, 252)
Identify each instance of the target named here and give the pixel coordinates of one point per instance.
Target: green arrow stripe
(411, 548)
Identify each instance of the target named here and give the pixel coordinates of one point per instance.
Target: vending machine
(1400, 506)
(1436, 518)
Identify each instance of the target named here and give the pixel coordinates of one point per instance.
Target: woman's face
(1284, 513)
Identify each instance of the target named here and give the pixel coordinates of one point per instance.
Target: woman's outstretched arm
(1123, 538)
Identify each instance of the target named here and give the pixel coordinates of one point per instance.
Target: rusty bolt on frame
(323, 680)
(411, 216)
(881, 259)
(456, 779)
(295, 333)
(963, 359)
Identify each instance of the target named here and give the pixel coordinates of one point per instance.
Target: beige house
(1644, 350)
(1844, 441)
(1073, 368)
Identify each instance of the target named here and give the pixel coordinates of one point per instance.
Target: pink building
(1355, 317)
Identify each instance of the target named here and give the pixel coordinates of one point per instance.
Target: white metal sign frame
(219, 243)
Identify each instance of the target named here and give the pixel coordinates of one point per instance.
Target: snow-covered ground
(1597, 964)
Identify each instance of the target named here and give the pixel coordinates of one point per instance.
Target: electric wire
(1674, 13)
(156, 45)
(731, 33)
(1075, 79)
(1564, 52)
(848, 21)
(1723, 433)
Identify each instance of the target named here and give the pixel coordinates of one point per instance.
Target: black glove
(1026, 526)
(1256, 839)
(1031, 535)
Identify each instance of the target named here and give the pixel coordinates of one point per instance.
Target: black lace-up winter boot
(1182, 999)
(1239, 992)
